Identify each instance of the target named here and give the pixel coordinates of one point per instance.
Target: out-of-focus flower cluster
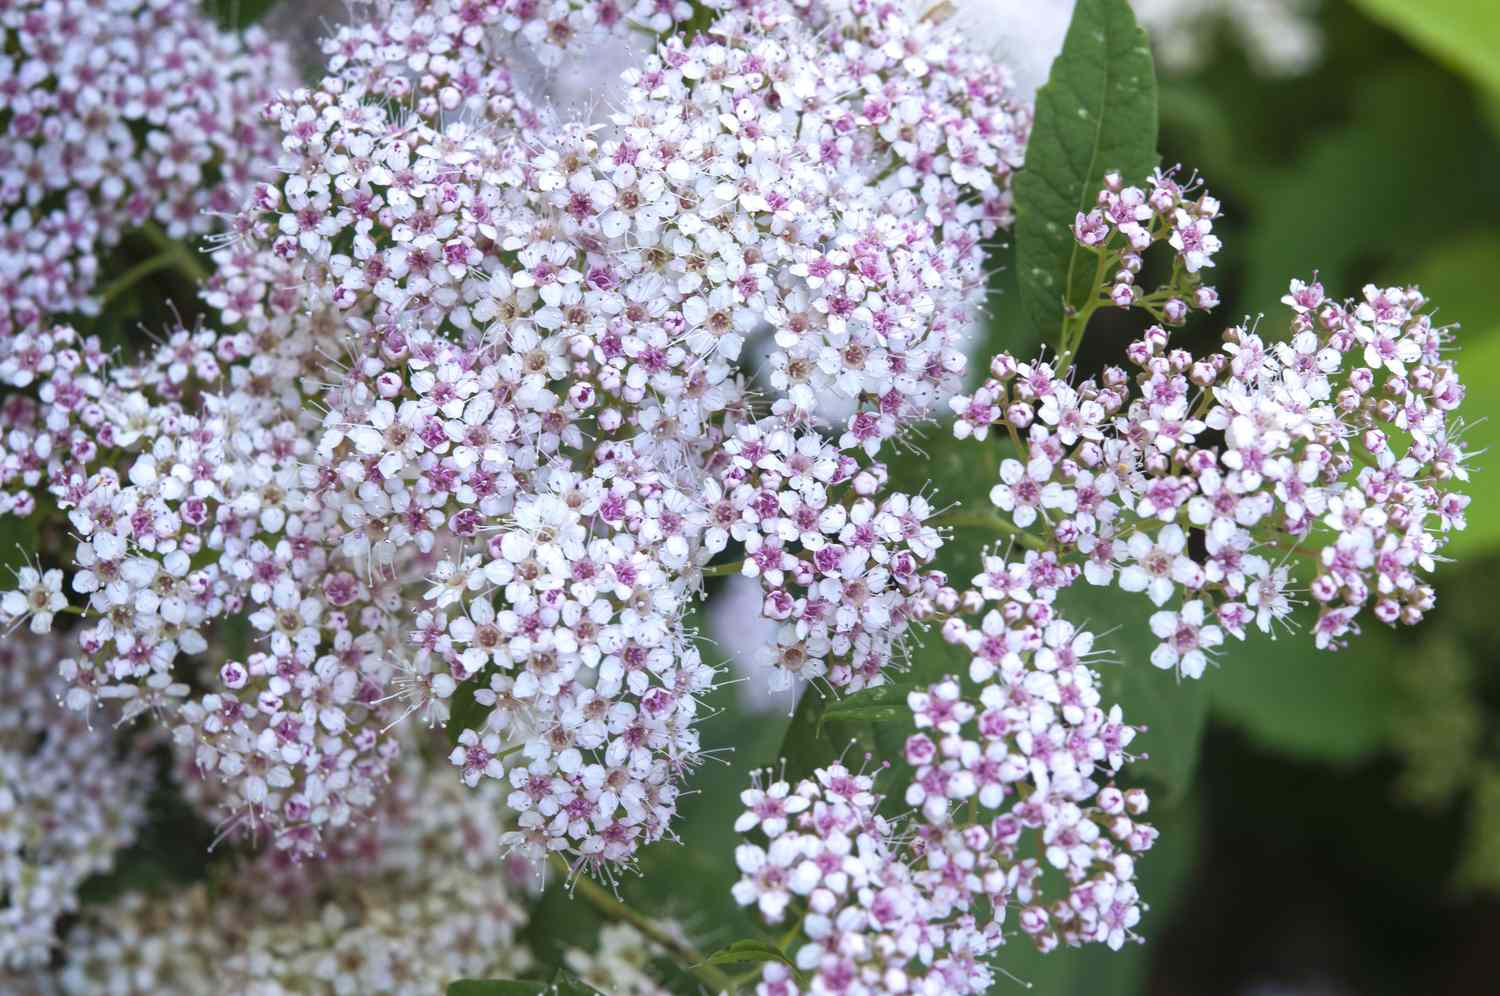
(117, 115)
(1129, 221)
(1280, 37)
(621, 964)
(70, 798)
(403, 905)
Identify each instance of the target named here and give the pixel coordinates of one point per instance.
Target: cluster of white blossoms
(1210, 483)
(475, 418)
(620, 966)
(477, 422)
(117, 115)
(1008, 793)
(70, 798)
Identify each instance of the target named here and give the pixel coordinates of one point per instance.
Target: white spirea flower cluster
(473, 424)
(118, 114)
(70, 798)
(620, 966)
(1006, 796)
(479, 420)
(1337, 446)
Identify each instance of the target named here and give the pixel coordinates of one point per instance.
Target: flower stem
(605, 902)
(181, 256)
(984, 520)
(723, 570)
(134, 275)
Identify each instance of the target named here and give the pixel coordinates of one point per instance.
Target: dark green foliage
(1096, 113)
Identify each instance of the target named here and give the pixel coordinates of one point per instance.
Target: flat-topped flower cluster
(478, 419)
(1337, 445)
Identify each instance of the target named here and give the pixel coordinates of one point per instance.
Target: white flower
(1186, 640)
(38, 594)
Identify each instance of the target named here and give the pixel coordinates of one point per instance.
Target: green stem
(136, 273)
(1070, 336)
(984, 520)
(723, 570)
(605, 902)
(182, 257)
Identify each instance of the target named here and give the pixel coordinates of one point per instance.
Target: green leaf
(564, 983)
(237, 14)
(748, 951)
(1465, 34)
(881, 704)
(1307, 703)
(1006, 328)
(1315, 212)
(464, 711)
(812, 743)
(496, 987)
(1174, 710)
(1096, 113)
(18, 541)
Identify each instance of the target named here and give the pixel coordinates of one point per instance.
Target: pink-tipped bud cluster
(1128, 221)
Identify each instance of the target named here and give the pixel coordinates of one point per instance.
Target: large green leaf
(1306, 703)
(748, 951)
(563, 984)
(1096, 113)
(18, 544)
(1006, 326)
(1465, 34)
(241, 13)
(465, 712)
(814, 740)
(880, 704)
(496, 987)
